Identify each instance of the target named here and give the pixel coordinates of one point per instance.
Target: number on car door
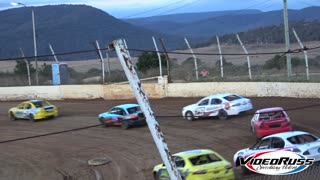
(201, 109)
(27, 110)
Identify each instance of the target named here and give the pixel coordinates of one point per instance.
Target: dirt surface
(132, 152)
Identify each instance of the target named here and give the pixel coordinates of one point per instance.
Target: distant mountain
(69, 28)
(223, 23)
(189, 17)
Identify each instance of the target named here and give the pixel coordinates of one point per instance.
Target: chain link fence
(182, 67)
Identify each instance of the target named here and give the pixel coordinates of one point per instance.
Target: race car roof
(287, 134)
(125, 106)
(271, 109)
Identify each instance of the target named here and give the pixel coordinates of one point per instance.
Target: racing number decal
(199, 111)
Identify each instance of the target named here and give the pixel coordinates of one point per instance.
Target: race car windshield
(204, 159)
(40, 103)
(302, 139)
(271, 115)
(133, 110)
(232, 97)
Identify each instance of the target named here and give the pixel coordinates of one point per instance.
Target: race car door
(202, 107)
(214, 107)
(19, 111)
(27, 110)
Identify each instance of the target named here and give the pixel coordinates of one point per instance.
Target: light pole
(34, 39)
(287, 38)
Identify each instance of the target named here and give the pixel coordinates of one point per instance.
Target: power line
(306, 3)
(234, 54)
(299, 50)
(179, 7)
(216, 18)
(153, 9)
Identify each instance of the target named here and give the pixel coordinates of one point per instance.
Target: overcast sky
(142, 8)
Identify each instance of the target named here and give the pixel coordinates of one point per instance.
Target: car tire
(31, 118)
(12, 116)
(125, 125)
(189, 116)
(223, 115)
(245, 170)
(254, 132)
(103, 123)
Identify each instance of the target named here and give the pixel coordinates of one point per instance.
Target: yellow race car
(199, 164)
(33, 110)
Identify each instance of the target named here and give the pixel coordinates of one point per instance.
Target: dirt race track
(132, 152)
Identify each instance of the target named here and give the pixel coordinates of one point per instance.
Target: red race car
(270, 121)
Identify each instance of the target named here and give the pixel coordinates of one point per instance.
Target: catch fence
(207, 64)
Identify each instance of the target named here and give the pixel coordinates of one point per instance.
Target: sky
(145, 8)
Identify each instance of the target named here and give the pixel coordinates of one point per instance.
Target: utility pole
(34, 38)
(286, 35)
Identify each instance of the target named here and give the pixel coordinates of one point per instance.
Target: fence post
(159, 56)
(248, 57)
(108, 62)
(27, 63)
(102, 61)
(54, 55)
(168, 60)
(143, 101)
(194, 58)
(304, 52)
(221, 58)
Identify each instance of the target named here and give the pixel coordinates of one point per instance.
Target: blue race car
(124, 115)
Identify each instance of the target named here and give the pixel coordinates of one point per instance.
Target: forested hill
(307, 31)
(69, 28)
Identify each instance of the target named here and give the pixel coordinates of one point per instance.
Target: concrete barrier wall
(81, 91)
(124, 91)
(250, 89)
(29, 92)
(159, 90)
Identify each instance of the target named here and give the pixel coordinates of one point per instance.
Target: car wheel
(125, 125)
(254, 132)
(189, 116)
(223, 115)
(31, 118)
(12, 116)
(103, 123)
(155, 175)
(245, 170)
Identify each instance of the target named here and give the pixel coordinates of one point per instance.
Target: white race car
(221, 105)
(300, 142)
